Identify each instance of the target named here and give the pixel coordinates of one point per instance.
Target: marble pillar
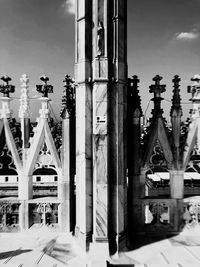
(100, 119)
(84, 164)
(134, 164)
(142, 181)
(24, 215)
(66, 183)
(177, 184)
(83, 74)
(25, 184)
(117, 127)
(117, 167)
(100, 184)
(101, 77)
(25, 193)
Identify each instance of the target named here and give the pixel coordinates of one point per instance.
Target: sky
(37, 38)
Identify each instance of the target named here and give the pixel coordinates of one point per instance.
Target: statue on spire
(6, 88)
(45, 89)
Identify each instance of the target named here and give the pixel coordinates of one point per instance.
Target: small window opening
(38, 179)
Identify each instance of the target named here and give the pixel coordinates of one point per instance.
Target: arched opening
(45, 182)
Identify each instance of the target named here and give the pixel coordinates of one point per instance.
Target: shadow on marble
(61, 252)
(13, 253)
(140, 241)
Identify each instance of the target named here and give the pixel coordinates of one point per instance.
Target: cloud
(70, 6)
(187, 36)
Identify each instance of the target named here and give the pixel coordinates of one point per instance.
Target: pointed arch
(190, 142)
(42, 134)
(162, 137)
(158, 132)
(51, 145)
(11, 146)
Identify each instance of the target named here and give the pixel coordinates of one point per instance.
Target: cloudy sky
(37, 37)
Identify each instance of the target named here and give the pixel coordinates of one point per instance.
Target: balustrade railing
(191, 213)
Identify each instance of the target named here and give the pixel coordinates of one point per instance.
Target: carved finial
(24, 110)
(176, 99)
(157, 89)
(133, 97)
(135, 81)
(68, 99)
(45, 89)
(6, 88)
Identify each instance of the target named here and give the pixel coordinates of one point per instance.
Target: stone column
(117, 116)
(100, 120)
(177, 184)
(177, 173)
(66, 185)
(25, 185)
(134, 158)
(134, 114)
(83, 56)
(101, 75)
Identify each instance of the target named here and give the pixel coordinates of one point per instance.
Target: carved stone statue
(100, 39)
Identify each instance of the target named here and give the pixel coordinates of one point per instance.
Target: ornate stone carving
(176, 99)
(24, 110)
(133, 97)
(68, 99)
(8, 207)
(100, 39)
(6, 89)
(192, 213)
(45, 89)
(157, 89)
(157, 213)
(44, 208)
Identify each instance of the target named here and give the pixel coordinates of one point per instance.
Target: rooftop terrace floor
(44, 247)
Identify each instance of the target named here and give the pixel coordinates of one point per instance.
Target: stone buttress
(101, 77)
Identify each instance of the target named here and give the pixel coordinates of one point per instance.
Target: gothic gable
(157, 134)
(190, 142)
(42, 136)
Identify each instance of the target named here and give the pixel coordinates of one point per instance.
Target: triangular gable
(2, 135)
(162, 137)
(42, 134)
(190, 143)
(158, 133)
(51, 145)
(151, 143)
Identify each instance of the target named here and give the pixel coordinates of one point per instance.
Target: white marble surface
(101, 211)
(100, 156)
(84, 159)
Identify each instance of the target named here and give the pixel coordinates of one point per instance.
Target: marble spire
(24, 109)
